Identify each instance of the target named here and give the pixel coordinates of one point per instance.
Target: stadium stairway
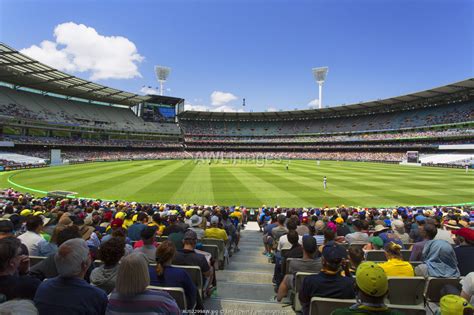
(245, 286)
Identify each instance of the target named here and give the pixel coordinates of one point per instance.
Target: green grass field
(176, 181)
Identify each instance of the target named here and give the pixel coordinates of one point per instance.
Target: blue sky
(261, 50)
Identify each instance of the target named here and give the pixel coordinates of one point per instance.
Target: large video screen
(158, 113)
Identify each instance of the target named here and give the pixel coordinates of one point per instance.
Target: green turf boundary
(25, 188)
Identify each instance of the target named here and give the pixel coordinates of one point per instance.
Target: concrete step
(257, 259)
(243, 277)
(249, 252)
(238, 306)
(250, 267)
(246, 291)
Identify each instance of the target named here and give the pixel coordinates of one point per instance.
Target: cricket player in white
(325, 182)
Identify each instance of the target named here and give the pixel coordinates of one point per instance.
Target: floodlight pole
(320, 77)
(162, 74)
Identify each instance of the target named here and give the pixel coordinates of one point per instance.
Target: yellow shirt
(215, 233)
(236, 214)
(397, 268)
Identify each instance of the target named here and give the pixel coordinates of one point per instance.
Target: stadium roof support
(21, 70)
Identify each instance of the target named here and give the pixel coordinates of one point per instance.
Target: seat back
(406, 253)
(176, 293)
(211, 249)
(220, 246)
(299, 277)
(325, 306)
(434, 286)
(406, 290)
(195, 274)
(376, 255)
(408, 309)
(36, 259)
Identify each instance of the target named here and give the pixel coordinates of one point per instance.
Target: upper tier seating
(446, 114)
(55, 110)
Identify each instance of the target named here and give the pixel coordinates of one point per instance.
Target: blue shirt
(175, 277)
(69, 296)
(135, 230)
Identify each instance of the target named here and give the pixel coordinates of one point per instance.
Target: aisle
(246, 283)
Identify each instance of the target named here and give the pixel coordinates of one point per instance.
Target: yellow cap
(120, 215)
(339, 220)
(26, 212)
(453, 305)
(371, 279)
(38, 213)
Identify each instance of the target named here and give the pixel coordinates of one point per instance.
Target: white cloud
(271, 109)
(314, 103)
(79, 48)
(219, 98)
(149, 90)
(204, 108)
(200, 108)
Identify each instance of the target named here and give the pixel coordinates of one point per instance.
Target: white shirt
(283, 243)
(33, 241)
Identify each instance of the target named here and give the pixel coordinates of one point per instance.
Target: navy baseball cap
(334, 253)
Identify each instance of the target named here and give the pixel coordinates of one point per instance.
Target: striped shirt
(149, 302)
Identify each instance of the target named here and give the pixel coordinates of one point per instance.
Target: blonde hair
(132, 276)
(393, 249)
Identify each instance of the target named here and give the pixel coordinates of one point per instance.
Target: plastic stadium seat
(406, 290)
(195, 274)
(379, 255)
(434, 286)
(211, 249)
(324, 306)
(36, 259)
(220, 245)
(176, 293)
(299, 277)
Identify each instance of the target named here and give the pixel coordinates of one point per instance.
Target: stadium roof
(21, 70)
(394, 103)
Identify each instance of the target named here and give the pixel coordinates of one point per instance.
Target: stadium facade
(43, 108)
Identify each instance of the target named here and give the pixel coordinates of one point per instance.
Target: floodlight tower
(320, 77)
(162, 74)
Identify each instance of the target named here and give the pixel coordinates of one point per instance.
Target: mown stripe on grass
(235, 186)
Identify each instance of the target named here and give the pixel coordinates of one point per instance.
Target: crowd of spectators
(102, 256)
(91, 142)
(395, 120)
(333, 245)
(334, 138)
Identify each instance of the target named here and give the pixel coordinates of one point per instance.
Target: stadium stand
(227, 269)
